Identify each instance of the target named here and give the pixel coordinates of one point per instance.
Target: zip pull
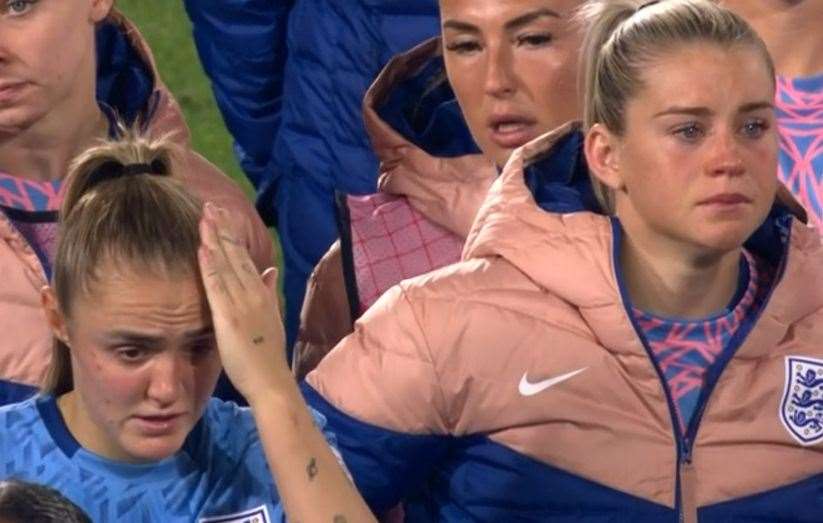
(688, 492)
(686, 451)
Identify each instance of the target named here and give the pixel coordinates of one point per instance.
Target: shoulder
(226, 420)
(479, 281)
(18, 416)
(24, 441)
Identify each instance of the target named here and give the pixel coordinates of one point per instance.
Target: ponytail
(123, 207)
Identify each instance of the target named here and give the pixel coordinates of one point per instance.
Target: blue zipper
(685, 443)
(736, 341)
(682, 447)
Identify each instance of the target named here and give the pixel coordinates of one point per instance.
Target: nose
(166, 380)
(726, 157)
(499, 78)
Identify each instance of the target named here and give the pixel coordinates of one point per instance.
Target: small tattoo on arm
(257, 340)
(340, 518)
(311, 469)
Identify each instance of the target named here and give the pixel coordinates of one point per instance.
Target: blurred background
(166, 27)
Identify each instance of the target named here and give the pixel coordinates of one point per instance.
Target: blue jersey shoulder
(219, 475)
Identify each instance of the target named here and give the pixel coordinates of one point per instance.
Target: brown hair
(624, 36)
(123, 206)
(26, 502)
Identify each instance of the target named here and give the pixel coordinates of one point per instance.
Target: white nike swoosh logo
(527, 388)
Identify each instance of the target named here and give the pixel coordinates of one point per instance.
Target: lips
(510, 131)
(727, 199)
(10, 90)
(158, 425)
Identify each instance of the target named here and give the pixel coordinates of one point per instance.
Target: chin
(725, 237)
(14, 120)
(144, 449)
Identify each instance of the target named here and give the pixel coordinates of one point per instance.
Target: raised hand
(244, 309)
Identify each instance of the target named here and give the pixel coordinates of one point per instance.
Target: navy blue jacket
(289, 77)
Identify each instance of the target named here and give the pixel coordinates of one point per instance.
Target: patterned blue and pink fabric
(32, 207)
(800, 117)
(685, 350)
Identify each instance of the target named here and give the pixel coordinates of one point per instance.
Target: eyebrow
(513, 24)
(132, 338)
(530, 17)
(705, 111)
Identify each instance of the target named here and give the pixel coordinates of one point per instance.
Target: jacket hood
(418, 132)
(542, 217)
(128, 83)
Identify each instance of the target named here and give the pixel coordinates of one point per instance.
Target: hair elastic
(112, 169)
(647, 4)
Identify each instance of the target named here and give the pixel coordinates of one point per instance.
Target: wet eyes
(755, 129)
(18, 7)
(201, 349)
(134, 354)
(752, 129)
(130, 354)
(690, 132)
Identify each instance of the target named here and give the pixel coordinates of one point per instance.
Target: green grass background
(166, 27)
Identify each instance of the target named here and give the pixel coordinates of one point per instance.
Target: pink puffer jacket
(450, 360)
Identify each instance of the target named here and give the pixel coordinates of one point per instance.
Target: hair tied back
(112, 169)
(647, 4)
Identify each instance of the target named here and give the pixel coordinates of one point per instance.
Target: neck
(668, 281)
(791, 30)
(43, 151)
(78, 424)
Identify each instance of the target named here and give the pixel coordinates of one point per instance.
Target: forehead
(706, 75)
(143, 299)
(500, 11)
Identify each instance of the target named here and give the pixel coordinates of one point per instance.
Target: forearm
(311, 483)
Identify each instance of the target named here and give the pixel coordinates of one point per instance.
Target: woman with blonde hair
(653, 357)
(150, 298)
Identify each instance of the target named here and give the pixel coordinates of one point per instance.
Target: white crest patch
(801, 409)
(255, 515)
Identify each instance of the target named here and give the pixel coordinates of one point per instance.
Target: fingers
(212, 273)
(218, 269)
(236, 253)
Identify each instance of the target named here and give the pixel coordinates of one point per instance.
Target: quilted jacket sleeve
(242, 46)
(380, 392)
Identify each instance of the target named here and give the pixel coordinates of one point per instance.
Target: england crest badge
(256, 515)
(801, 410)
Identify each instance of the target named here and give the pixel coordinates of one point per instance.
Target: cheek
(468, 89)
(552, 85)
(60, 56)
(109, 382)
(762, 165)
(206, 374)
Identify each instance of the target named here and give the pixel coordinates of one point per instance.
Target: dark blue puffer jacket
(289, 77)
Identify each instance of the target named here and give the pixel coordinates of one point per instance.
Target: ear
(54, 316)
(603, 156)
(100, 9)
